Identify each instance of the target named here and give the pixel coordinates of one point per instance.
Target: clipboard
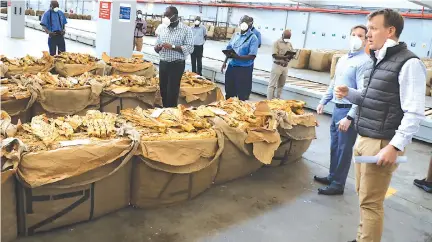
(229, 53)
(292, 54)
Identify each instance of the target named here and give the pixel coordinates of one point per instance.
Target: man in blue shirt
(349, 71)
(53, 22)
(244, 48)
(255, 31)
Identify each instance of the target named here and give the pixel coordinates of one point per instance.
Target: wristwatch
(349, 118)
(173, 46)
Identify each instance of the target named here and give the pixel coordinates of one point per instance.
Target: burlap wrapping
(295, 142)
(162, 177)
(237, 159)
(10, 71)
(77, 199)
(19, 109)
(320, 60)
(148, 72)
(428, 91)
(302, 62)
(264, 142)
(194, 97)
(8, 206)
(129, 68)
(74, 184)
(67, 70)
(334, 61)
(40, 168)
(113, 103)
(67, 101)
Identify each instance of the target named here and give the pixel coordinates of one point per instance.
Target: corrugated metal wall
(309, 30)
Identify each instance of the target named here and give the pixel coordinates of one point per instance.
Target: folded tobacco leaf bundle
(48, 80)
(169, 123)
(108, 59)
(244, 115)
(12, 89)
(75, 58)
(26, 61)
(190, 79)
(44, 133)
(119, 84)
(294, 106)
(290, 113)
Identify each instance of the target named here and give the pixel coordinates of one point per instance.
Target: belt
(338, 105)
(283, 65)
(174, 62)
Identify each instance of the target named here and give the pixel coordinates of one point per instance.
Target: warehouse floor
(274, 204)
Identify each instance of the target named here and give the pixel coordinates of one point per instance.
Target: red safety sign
(105, 10)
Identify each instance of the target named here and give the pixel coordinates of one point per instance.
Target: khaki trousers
(138, 44)
(277, 81)
(372, 183)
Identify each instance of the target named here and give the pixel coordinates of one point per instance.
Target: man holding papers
(390, 109)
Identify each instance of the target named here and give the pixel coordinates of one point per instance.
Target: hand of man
(158, 48)
(387, 156)
(341, 91)
(344, 124)
(223, 67)
(167, 46)
(320, 109)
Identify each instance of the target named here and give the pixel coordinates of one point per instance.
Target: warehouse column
(16, 19)
(115, 26)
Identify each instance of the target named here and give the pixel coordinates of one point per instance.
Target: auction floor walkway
(272, 205)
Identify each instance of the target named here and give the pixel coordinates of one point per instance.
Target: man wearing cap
(280, 65)
(200, 35)
(244, 48)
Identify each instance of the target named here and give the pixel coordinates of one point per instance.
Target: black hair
(173, 10)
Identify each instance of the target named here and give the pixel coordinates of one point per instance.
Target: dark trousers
(238, 82)
(341, 148)
(170, 74)
(196, 58)
(56, 44)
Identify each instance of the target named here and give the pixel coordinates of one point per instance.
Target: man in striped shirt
(174, 43)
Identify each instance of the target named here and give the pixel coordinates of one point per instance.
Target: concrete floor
(275, 204)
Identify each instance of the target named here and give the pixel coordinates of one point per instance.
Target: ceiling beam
(424, 3)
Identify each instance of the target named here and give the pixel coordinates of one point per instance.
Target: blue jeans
(341, 148)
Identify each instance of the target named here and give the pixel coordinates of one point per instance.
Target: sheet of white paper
(74, 142)
(218, 111)
(374, 159)
(157, 112)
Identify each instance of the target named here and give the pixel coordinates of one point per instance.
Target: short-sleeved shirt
(280, 47)
(243, 44)
(140, 28)
(181, 35)
(258, 35)
(199, 32)
(54, 21)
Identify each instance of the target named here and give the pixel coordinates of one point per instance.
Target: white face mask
(355, 43)
(244, 26)
(167, 21)
(197, 22)
(286, 40)
(56, 9)
(140, 16)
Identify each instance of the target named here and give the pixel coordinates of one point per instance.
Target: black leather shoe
(330, 191)
(323, 180)
(423, 184)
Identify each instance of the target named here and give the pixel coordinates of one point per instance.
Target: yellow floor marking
(390, 192)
